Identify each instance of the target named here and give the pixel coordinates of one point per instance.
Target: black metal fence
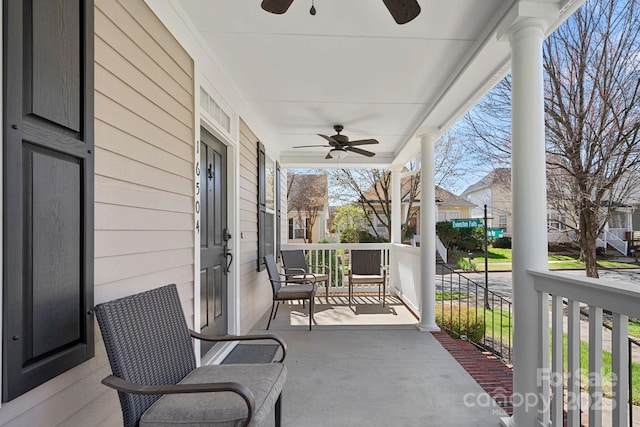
(469, 310)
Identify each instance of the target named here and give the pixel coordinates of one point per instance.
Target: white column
(529, 198)
(396, 224)
(396, 206)
(427, 235)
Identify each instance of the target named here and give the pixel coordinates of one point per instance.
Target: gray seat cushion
(296, 291)
(224, 408)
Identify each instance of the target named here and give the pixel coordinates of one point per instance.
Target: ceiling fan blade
(276, 6)
(402, 11)
(360, 151)
(330, 139)
(363, 142)
(309, 146)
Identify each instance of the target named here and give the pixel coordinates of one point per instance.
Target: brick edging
(494, 376)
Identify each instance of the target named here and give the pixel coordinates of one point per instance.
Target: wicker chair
(154, 368)
(304, 289)
(297, 270)
(366, 268)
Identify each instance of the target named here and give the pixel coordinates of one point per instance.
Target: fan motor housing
(342, 139)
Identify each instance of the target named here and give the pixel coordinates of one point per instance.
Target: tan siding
(123, 168)
(128, 194)
(143, 196)
(113, 88)
(133, 35)
(255, 292)
(127, 121)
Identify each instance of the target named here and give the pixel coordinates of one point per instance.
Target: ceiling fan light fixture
(338, 153)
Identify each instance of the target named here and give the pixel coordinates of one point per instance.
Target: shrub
(466, 265)
(502, 242)
(460, 320)
(366, 237)
(349, 235)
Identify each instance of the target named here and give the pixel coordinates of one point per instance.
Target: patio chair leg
(326, 287)
(384, 293)
(271, 315)
(278, 411)
(310, 311)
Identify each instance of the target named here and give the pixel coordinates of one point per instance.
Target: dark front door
(214, 237)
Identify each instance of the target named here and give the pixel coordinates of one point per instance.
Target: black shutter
(262, 205)
(278, 213)
(48, 191)
(291, 235)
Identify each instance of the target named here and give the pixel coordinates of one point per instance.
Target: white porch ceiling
(351, 64)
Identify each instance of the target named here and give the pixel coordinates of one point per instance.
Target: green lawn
(499, 259)
(606, 371)
(634, 329)
(448, 296)
(498, 325)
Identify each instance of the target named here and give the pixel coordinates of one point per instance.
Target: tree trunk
(588, 236)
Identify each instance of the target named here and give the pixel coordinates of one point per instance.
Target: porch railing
(599, 296)
(405, 276)
(335, 256)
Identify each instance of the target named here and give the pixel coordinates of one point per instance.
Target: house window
(268, 208)
(556, 222)
(448, 215)
(502, 222)
(298, 229)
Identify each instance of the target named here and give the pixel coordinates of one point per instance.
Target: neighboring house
(449, 206)
(494, 191)
(307, 202)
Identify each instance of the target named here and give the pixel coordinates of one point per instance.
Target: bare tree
(373, 191)
(592, 104)
(592, 114)
(306, 196)
(371, 188)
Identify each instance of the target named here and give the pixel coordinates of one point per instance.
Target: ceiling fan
(402, 11)
(341, 146)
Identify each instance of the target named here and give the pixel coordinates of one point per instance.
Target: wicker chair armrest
(134, 388)
(260, 337)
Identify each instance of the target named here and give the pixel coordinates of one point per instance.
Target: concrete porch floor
(376, 373)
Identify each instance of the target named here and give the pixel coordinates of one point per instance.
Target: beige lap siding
(144, 204)
(255, 290)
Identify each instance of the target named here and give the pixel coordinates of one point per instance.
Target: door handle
(229, 259)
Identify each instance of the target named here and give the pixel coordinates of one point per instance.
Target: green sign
(495, 233)
(466, 223)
